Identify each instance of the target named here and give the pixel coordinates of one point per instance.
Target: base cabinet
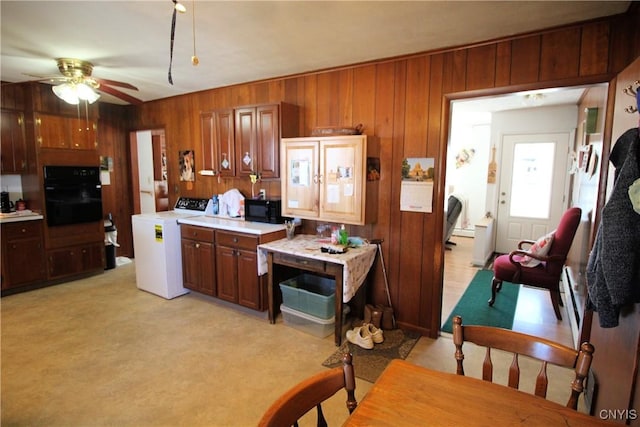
(237, 265)
(23, 261)
(224, 264)
(198, 259)
(75, 260)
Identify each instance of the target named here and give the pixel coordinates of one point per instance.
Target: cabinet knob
(23, 230)
(235, 240)
(197, 245)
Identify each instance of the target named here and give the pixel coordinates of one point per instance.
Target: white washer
(158, 253)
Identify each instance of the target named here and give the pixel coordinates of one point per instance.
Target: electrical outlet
(263, 193)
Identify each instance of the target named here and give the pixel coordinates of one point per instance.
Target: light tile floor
(100, 352)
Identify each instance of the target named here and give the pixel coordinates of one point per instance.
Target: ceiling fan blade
(46, 78)
(114, 83)
(118, 94)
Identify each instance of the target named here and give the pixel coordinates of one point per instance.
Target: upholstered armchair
(537, 265)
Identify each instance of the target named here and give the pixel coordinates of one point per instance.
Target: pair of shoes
(365, 336)
(360, 337)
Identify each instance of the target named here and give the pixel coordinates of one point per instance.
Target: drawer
(236, 240)
(309, 264)
(193, 232)
(21, 230)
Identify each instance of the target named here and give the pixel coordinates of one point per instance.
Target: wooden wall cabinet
(258, 141)
(217, 142)
(13, 152)
(245, 140)
(53, 131)
(23, 261)
(74, 260)
(324, 178)
(198, 259)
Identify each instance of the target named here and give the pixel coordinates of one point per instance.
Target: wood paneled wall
(404, 103)
(113, 131)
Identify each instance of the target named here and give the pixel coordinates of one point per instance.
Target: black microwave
(264, 210)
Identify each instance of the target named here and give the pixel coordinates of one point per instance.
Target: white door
(145, 172)
(531, 197)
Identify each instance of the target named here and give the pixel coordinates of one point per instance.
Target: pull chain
(194, 59)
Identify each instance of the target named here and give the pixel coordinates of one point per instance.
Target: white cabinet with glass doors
(324, 178)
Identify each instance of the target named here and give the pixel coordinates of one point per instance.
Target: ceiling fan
(77, 83)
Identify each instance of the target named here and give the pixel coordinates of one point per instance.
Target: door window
(532, 179)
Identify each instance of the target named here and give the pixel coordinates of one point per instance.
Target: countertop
(18, 216)
(232, 224)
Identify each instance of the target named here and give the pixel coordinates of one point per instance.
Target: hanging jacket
(613, 270)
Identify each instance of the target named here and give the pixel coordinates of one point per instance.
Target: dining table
(406, 394)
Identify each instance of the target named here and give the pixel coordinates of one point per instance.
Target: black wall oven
(73, 194)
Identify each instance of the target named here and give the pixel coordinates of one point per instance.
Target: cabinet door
(246, 154)
(224, 136)
(227, 267)
(20, 273)
(83, 133)
(190, 270)
(63, 262)
(268, 141)
(92, 257)
(342, 164)
(207, 141)
(13, 149)
(198, 266)
(249, 292)
(299, 182)
(53, 131)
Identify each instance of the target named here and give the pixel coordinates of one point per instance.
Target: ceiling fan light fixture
(72, 93)
(67, 93)
(87, 93)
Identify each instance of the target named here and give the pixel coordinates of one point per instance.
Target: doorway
(513, 114)
(149, 171)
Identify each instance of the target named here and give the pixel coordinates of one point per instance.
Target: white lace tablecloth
(356, 261)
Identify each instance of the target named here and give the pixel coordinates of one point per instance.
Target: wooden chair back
(310, 393)
(546, 351)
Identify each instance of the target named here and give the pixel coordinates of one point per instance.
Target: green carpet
(473, 305)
